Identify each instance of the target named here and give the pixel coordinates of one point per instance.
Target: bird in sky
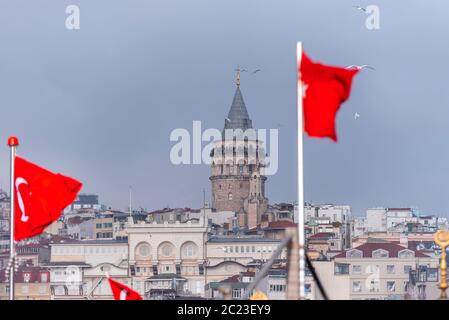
(227, 120)
(255, 71)
(356, 116)
(364, 66)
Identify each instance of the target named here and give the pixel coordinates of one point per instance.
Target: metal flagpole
(301, 236)
(13, 142)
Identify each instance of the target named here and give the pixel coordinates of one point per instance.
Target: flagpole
(301, 236)
(13, 142)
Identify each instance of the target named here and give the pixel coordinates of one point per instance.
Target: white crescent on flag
(19, 181)
(123, 294)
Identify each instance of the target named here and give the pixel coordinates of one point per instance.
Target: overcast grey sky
(99, 103)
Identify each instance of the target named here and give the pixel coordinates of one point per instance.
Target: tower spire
(238, 117)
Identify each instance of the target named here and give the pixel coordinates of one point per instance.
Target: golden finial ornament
(441, 238)
(237, 81)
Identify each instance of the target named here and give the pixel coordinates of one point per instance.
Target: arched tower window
(230, 196)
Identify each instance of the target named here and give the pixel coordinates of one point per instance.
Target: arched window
(354, 253)
(380, 253)
(166, 250)
(143, 250)
(406, 253)
(230, 196)
(189, 250)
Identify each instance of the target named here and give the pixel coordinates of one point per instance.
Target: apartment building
(380, 270)
(30, 283)
(77, 268)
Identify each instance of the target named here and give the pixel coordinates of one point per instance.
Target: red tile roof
(392, 248)
(232, 279)
(322, 235)
(281, 224)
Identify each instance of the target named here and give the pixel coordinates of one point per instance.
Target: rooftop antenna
(130, 200)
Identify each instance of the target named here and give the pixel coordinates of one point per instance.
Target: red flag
(40, 197)
(325, 88)
(122, 292)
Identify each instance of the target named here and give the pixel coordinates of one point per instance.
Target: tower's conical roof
(238, 117)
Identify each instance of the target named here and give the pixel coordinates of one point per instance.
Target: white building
(376, 220)
(159, 252)
(77, 267)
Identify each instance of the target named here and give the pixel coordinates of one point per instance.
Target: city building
(30, 283)
(78, 268)
(380, 270)
(167, 249)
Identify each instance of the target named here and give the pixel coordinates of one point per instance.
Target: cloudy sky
(99, 103)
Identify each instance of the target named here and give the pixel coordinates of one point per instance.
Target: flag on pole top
(324, 89)
(39, 197)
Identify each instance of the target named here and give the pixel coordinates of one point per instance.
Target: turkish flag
(40, 197)
(122, 292)
(325, 88)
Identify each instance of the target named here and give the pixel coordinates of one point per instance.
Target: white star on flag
(304, 89)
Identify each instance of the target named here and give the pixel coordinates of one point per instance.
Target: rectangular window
(253, 249)
(432, 274)
(390, 269)
(391, 286)
(247, 249)
(356, 286)
(405, 286)
(374, 285)
(236, 293)
(407, 269)
(307, 287)
(242, 249)
(236, 249)
(356, 269)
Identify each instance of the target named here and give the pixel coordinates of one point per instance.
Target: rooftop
(238, 117)
(222, 239)
(393, 250)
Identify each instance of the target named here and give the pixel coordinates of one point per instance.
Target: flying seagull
(356, 116)
(360, 8)
(364, 66)
(255, 71)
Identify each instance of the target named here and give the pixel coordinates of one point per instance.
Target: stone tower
(238, 183)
